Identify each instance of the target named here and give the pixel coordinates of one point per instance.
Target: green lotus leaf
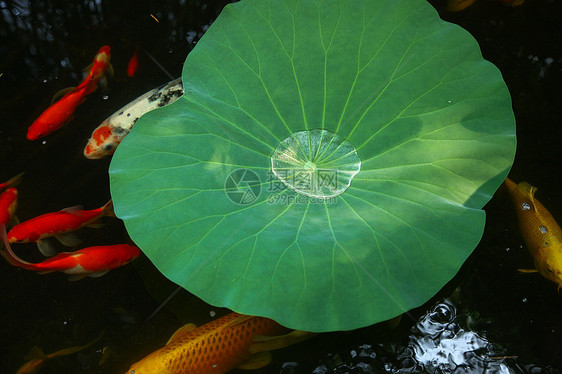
(327, 165)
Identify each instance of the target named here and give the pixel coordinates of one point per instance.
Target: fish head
(154, 363)
(102, 143)
(551, 266)
(38, 130)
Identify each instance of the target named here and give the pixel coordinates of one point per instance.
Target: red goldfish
(234, 340)
(61, 112)
(56, 224)
(58, 114)
(133, 62)
(97, 69)
(540, 232)
(91, 261)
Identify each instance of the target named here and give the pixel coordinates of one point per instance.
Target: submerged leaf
(327, 164)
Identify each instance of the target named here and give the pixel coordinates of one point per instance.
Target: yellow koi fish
(540, 232)
(234, 340)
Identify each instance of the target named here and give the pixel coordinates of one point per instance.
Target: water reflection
(443, 340)
(439, 344)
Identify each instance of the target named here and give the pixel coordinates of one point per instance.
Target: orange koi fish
(234, 340)
(88, 262)
(97, 69)
(133, 62)
(58, 114)
(37, 358)
(540, 232)
(57, 224)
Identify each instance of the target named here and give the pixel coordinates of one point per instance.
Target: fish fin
(185, 329)
(109, 70)
(9, 254)
(71, 350)
(527, 271)
(269, 343)
(35, 353)
(102, 83)
(257, 361)
(14, 181)
(75, 277)
(61, 93)
(69, 239)
(72, 209)
(88, 68)
(107, 209)
(46, 247)
(98, 274)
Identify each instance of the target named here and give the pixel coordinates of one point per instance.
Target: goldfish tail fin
(9, 254)
(87, 69)
(61, 93)
(35, 353)
(107, 209)
(71, 350)
(13, 182)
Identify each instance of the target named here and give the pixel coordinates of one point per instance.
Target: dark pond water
(489, 318)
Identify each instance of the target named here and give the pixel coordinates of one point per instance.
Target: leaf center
(316, 163)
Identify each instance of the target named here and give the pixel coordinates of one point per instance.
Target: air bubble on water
(105, 97)
(212, 313)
